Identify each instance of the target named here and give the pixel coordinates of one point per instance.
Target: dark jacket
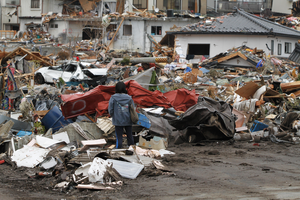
(118, 109)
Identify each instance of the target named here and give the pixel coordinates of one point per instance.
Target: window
(155, 30)
(170, 4)
(198, 49)
(288, 47)
(191, 6)
(53, 25)
(140, 4)
(127, 30)
(272, 47)
(279, 49)
(35, 3)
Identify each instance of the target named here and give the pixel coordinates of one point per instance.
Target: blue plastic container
(143, 121)
(258, 126)
(55, 120)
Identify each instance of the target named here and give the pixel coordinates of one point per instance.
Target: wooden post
(114, 35)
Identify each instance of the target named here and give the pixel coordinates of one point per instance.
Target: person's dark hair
(121, 88)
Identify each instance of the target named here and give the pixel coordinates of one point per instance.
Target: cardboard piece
(248, 90)
(87, 5)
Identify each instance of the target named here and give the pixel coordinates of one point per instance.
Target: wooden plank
(115, 35)
(297, 93)
(290, 86)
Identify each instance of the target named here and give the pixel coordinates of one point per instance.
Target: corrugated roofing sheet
(105, 124)
(295, 56)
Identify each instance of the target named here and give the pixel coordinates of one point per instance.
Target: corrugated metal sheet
(105, 124)
(295, 56)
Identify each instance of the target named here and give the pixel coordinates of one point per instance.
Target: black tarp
(208, 119)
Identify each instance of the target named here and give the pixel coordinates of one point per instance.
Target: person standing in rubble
(119, 110)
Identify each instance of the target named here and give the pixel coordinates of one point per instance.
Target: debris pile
(54, 118)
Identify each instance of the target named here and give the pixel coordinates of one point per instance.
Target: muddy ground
(214, 170)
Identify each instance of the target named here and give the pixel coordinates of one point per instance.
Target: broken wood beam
(290, 86)
(30, 56)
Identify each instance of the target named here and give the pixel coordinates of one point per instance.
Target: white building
(240, 28)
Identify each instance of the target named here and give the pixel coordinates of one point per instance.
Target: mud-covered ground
(214, 170)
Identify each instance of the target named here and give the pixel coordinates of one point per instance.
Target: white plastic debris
(165, 152)
(29, 156)
(63, 184)
(84, 169)
(126, 169)
(97, 170)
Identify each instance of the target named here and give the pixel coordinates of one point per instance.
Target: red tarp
(182, 99)
(96, 100)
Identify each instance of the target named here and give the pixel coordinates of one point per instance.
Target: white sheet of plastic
(126, 169)
(97, 170)
(84, 169)
(63, 136)
(164, 152)
(45, 142)
(29, 156)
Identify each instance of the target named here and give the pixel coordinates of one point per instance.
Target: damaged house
(210, 37)
(83, 20)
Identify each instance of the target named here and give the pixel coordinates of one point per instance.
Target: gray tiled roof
(239, 22)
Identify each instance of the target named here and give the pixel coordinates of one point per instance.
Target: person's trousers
(119, 136)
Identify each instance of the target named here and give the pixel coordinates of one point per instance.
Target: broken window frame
(126, 32)
(279, 51)
(156, 30)
(272, 47)
(139, 4)
(35, 4)
(191, 6)
(288, 47)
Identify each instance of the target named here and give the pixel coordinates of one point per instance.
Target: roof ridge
(245, 14)
(279, 25)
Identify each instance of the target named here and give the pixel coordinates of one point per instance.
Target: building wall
(52, 6)
(75, 30)
(27, 11)
(221, 43)
(62, 26)
(134, 42)
(6, 19)
(5, 9)
(282, 6)
(139, 41)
